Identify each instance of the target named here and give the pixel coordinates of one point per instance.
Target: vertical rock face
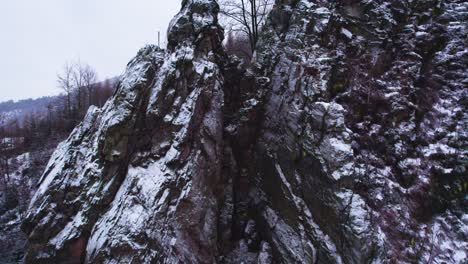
(344, 142)
(362, 153)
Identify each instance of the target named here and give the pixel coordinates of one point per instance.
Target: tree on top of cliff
(245, 16)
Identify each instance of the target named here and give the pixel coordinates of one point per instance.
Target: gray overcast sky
(37, 37)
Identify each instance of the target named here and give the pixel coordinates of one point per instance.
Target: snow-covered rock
(343, 142)
(138, 181)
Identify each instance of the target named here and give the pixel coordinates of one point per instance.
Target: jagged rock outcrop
(343, 142)
(138, 181)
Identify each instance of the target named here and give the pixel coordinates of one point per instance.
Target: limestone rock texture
(343, 141)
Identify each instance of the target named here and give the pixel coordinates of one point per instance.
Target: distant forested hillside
(26, 104)
(12, 112)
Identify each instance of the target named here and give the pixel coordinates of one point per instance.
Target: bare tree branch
(65, 82)
(246, 16)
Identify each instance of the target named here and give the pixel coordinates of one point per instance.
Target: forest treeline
(35, 125)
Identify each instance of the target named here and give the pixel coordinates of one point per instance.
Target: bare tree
(4, 145)
(50, 108)
(89, 81)
(246, 16)
(78, 81)
(65, 82)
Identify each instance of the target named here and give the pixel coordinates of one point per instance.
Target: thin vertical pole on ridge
(159, 38)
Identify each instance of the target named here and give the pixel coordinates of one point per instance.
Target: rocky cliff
(345, 141)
